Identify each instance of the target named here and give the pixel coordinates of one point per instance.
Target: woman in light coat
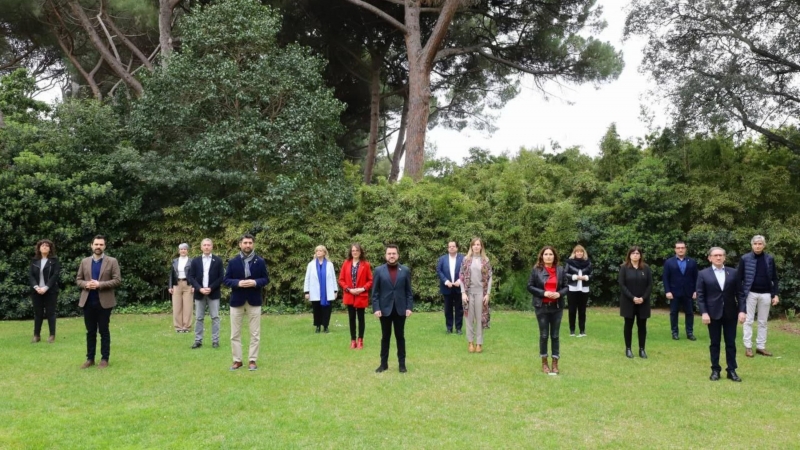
(321, 287)
(476, 279)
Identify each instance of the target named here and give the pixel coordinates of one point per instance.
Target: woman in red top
(549, 284)
(356, 281)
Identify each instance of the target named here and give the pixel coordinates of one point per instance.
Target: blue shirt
(94, 296)
(682, 265)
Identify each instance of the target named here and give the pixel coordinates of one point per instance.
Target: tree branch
(517, 66)
(380, 13)
(135, 50)
(439, 31)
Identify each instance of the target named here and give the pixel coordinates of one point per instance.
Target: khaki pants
(182, 303)
(254, 317)
(472, 317)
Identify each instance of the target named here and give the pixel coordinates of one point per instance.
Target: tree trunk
(75, 63)
(374, 116)
(419, 99)
(165, 8)
(399, 146)
(115, 64)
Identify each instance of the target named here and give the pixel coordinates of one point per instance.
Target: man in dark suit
(680, 279)
(98, 276)
(717, 290)
(246, 276)
(392, 302)
(447, 268)
(205, 275)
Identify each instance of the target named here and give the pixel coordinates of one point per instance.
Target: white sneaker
(572, 334)
(582, 335)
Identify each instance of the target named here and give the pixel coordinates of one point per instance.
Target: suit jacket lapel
(103, 266)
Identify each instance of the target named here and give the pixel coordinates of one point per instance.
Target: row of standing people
(756, 288)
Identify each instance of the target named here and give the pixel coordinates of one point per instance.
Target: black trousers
(641, 327)
(678, 304)
(399, 323)
(97, 319)
(322, 314)
(725, 326)
(44, 306)
(453, 310)
(352, 312)
(549, 318)
(577, 304)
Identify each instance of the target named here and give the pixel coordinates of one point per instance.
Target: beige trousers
(182, 302)
(254, 318)
(472, 316)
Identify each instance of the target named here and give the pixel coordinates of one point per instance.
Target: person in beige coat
(98, 276)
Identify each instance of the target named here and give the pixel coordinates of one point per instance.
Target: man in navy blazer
(205, 275)
(246, 276)
(447, 268)
(720, 303)
(392, 302)
(680, 279)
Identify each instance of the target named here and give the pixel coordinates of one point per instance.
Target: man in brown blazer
(98, 276)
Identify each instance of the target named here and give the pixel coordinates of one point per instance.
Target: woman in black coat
(548, 285)
(635, 285)
(43, 275)
(578, 268)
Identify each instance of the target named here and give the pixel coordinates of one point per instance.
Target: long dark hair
(363, 256)
(628, 263)
(540, 260)
(39, 246)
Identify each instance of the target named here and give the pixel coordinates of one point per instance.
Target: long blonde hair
(483, 248)
(579, 248)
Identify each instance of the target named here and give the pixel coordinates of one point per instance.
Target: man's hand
(742, 317)
(92, 285)
(669, 295)
(448, 284)
(247, 283)
(408, 313)
(378, 314)
(694, 296)
(171, 290)
(707, 318)
(205, 291)
(775, 300)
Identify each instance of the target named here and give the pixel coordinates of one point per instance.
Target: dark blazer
(714, 301)
(677, 283)
(109, 279)
(539, 277)
(443, 271)
(52, 273)
(173, 274)
(235, 273)
(635, 283)
(746, 271)
(216, 273)
(386, 296)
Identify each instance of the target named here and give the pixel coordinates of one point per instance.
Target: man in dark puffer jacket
(759, 280)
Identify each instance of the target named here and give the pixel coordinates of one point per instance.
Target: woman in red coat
(356, 282)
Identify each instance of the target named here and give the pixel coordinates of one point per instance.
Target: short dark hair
(453, 241)
(49, 243)
(99, 236)
(394, 246)
(680, 242)
(247, 236)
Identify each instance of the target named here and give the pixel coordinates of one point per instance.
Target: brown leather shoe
(103, 364)
(479, 348)
(763, 352)
(545, 367)
(87, 364)
(471, 348)
(35, 339)
(51, 339)
(236, 365)
(748, 352)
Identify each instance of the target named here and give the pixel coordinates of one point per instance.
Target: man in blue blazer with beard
(392, 302)
(720, 303)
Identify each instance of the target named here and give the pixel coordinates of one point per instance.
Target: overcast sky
(530, 121)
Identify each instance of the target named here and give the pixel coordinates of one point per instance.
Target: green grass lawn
(312, 391)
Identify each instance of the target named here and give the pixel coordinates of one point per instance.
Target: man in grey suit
(392, 302)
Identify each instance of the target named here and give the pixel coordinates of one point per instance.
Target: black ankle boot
(628, 352)
(642, 354)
